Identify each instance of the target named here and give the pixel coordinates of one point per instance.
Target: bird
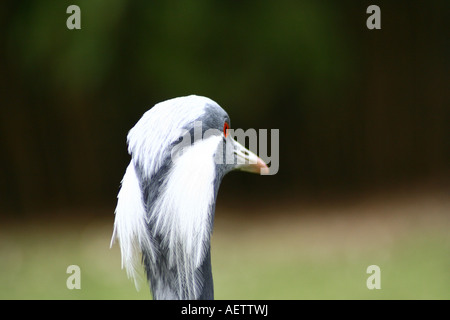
(180, 150)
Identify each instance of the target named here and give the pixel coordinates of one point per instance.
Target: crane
(180, 150)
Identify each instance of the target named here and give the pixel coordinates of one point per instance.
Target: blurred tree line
(356, 108)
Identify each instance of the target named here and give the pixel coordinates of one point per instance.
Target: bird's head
(189, 130)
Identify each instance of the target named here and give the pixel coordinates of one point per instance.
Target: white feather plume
(180, 213)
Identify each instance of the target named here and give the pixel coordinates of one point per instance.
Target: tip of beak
(263, 169)
(259, 167)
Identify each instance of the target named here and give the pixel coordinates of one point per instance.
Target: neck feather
(178, 263)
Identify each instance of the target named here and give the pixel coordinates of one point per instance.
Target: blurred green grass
(321, 253)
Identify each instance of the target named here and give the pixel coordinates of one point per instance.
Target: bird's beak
(248, 161)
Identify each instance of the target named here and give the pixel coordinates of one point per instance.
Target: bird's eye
(226, 126)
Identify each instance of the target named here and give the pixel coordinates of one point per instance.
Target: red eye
(226, 126)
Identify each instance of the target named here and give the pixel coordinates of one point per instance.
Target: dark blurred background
(357, 109)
